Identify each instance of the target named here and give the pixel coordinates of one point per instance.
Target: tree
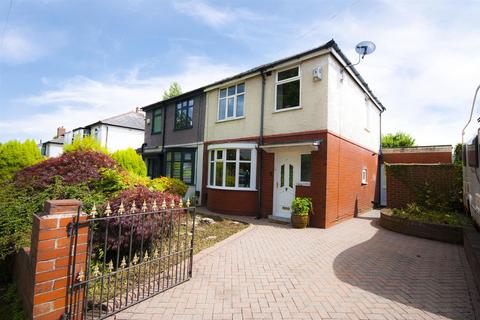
(397, 140)
(457, 154)
(173, 91)
(131, 161)
(15, 155)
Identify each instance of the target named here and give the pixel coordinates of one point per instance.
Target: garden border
(432, 231)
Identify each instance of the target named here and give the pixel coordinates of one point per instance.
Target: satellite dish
(365, 47)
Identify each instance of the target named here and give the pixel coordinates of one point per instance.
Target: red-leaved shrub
(123, 230)
(72, 167)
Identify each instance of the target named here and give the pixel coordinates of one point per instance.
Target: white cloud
(82, 100)
(426, 64)
(214, 16)
(24, 46)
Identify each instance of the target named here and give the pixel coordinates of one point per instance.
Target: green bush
(169, 185)
(301, 206)
(85, 144)
(15, 155)
(131, 161)
(13, 309)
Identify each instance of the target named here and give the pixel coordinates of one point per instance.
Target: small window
(184, 114)
(231, 102)
(364, 176)
(305, 167)
(157, 121)
(288, 89)
(472, 153)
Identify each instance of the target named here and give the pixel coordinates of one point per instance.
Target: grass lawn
(417, 213)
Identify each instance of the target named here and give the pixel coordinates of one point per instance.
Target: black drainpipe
(260, 143)
(162, 153)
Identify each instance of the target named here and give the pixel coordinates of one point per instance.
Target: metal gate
(131, 253)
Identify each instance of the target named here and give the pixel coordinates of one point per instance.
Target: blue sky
(74, 62)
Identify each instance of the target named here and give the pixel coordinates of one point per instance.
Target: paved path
(355, 270)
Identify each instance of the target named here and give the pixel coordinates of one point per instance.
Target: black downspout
(162, 153)
(260, 143)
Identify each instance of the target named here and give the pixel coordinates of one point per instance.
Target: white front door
(286, 177)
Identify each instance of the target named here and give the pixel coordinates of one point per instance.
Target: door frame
(295, 156)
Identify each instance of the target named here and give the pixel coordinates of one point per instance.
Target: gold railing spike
(121, 209)
(110, 266)
(144, 206)
(80, 276)
(135, 259)
(96, 271)
(188, 203)
(172, 204)
(154, 206)
(93, 212)
(108, 210)
(180, 203)
(133, 209)
(155, 253)
(123, 264)
(145, 256)
(164, 204)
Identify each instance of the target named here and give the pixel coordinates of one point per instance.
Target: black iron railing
(130, 256)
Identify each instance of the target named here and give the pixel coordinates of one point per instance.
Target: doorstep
(278, 219)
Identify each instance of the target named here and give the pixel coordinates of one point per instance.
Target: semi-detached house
(306, 125)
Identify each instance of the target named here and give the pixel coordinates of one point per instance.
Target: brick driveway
(354, 270)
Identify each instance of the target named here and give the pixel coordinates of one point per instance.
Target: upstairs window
(288, 89)
(231, 102)
(157, 121)
(184, 114)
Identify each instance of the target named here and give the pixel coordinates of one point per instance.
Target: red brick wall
(402, 188)
(345, 194)
(420, 157)
(242, 203)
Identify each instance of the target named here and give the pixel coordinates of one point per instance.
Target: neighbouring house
(306, 125)
(54, 146)
(419, 154)
(116, 133)
(174, 139)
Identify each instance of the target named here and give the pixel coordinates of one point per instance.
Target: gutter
(260, 143)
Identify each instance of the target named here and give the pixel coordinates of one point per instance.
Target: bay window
(232, 168)
(288, 89)
(231, 102)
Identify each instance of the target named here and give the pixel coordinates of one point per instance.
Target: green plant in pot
(301, 208)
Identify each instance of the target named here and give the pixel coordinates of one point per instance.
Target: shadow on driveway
(416, 273)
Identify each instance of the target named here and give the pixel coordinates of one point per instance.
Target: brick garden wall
(405, 182)
(420, 157)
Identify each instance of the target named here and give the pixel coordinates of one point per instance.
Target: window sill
(180, 129)
(230, 119)
(230, 188)
(364, 183)
(288, 109)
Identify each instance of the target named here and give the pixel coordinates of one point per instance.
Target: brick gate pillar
(45, 290)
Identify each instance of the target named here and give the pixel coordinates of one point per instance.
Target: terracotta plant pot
(299, 222)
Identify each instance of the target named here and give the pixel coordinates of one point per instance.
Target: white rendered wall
(54, 150)
(117, 138)
(350, 115)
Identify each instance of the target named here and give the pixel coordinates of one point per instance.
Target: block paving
(354, 270)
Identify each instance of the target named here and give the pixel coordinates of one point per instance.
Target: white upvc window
(231, 102)
(232, 168)
(287, 89)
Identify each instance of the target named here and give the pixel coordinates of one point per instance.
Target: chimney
(60, 132)
(137, 109)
